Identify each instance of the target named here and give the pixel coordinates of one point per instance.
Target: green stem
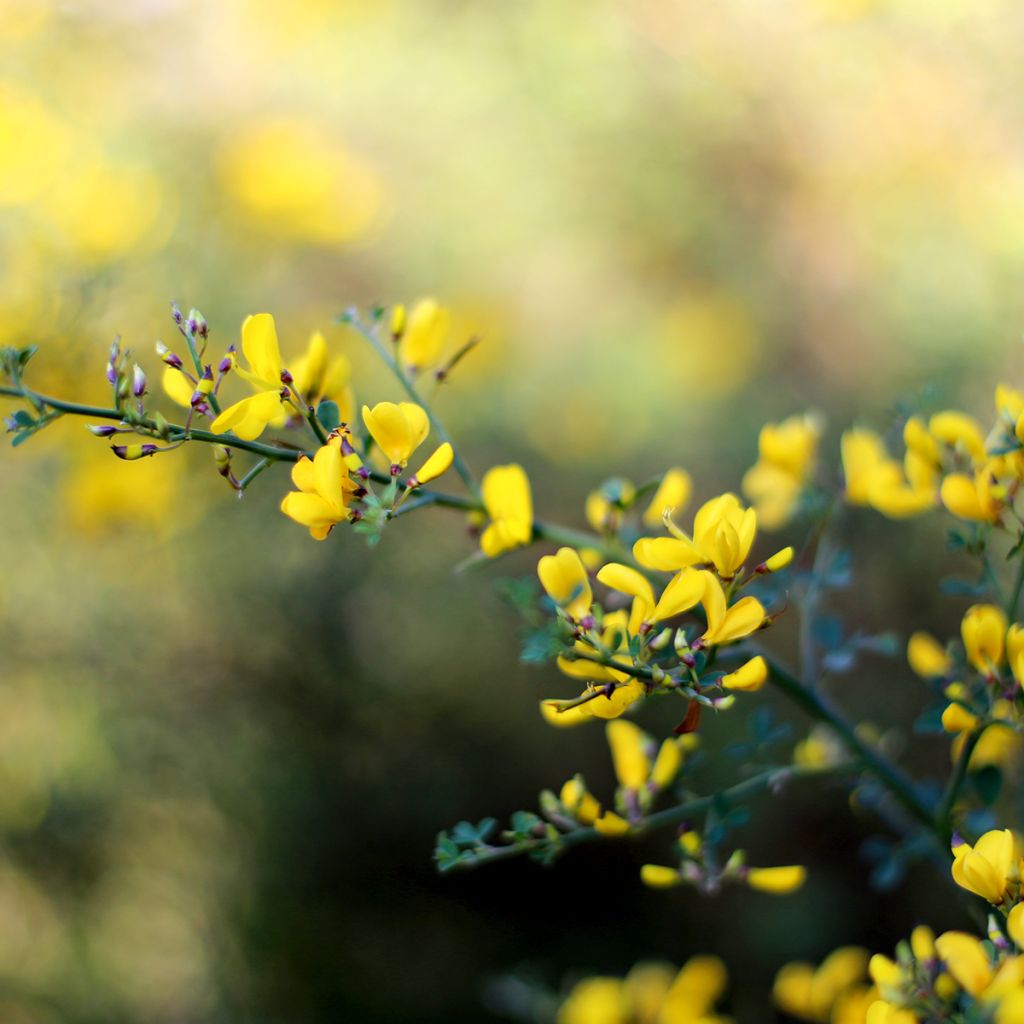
(252, 474)
(890, 775)
(391, 363)
(944, 813)
(755, 785)
(1018, 585)
(198, 364)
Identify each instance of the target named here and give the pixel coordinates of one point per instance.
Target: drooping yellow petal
(666, 554)
(424, 335)
(627, 580)
(927, 657)
(778, 880)
(657, 876)
(438, 463)
(749, 677)
(683, 592)
(249, 417)
(628, 744)
(178, 387)
(259, 343)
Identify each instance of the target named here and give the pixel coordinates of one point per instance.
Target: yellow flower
(586, 809)
(786, 453)
(317, 377)
(424, 336)
(398, 429)
(506, 495)
(750, 676)
(723, 532)
(727, 625)
(324, 490)
(672, 494)
(976, 498)
(874, 478)
(250, 417)
(958, 431)
(565, 579)
(927, 657)
(986, 867)
(966, 960)
(778, 880)
(810, 993)
(983, 630)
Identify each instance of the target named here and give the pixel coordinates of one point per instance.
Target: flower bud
(169, 357)
(176, 314)
(131, 452)
(101, 430)
(138, 381)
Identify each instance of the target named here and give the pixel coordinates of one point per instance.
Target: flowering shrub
(651, 605)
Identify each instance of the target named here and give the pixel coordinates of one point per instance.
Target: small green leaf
(329, 415)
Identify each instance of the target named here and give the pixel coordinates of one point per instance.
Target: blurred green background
(225, 749)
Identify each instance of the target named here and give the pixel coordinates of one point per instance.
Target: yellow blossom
(966, 960)
(682, 592)
(565, 579)
(983, 630)
(398, 429)
(506, 495)
(250, 417)
(317, 377)
(786, 453)
(958, 431)
(927, 657)
(986, 867)
(324, 490)
(723, 532)
(975, 498)
(424, 336)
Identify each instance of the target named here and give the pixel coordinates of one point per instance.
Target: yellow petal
(673, 493)
(438, 463)
(927, 657)
(748, 677)
(778, 880)
(657, 876)
(628, 744)
(259, 343)
(178, 387)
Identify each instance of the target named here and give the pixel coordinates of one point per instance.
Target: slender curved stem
(944, 812)
(755, 785)
(891, 776)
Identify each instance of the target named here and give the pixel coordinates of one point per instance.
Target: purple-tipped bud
(101, 430)
(172, 359)
(203, 329)
(131, 452)
(111, 373)
(176, 314)
(138, 381)
(207, 372)
(395, 469)
(115, 350)
(688, 660)
(225, 365)
(286, 377)
(363, 473)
